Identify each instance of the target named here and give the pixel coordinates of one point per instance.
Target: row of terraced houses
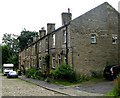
(87, 43)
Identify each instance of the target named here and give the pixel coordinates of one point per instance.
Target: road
(17, 87)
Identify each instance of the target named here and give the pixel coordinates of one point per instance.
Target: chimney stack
(66, 17)
(42, 32)
(50, 27)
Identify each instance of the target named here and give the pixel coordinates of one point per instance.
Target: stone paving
(98, 89)
(18, 87)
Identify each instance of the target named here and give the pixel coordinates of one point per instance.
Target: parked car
(111, 72)
(12, 74)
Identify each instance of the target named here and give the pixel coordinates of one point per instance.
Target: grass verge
(67, 83)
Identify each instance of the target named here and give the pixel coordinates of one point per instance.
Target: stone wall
(89, 41)
(87, 56)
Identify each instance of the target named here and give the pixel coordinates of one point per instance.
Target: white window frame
(40, 45)
(65, 59)
(114, 39)
(64, 36)
(40, 60)
(53, 61)
(59, 59)
(46, 44)
(93, 39)
(53, 40)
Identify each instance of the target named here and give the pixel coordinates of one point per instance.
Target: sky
(15, 15)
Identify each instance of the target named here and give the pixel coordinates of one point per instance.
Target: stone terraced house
(87, 43)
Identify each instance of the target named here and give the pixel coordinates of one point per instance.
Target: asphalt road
(17, 87)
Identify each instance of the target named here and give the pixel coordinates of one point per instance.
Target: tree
(10, 49)
(5, 54)
(12, 44)
(26, 38)
(11, 41)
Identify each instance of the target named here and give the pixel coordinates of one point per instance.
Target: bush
(64, 71)
(30, 72)
(117, 86)
(33, 73)
(37, 74)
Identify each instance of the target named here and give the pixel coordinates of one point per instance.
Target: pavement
(66, 90)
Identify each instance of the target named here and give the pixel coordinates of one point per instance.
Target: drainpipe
(49, 55)
(48, 45)
(72, 58)
(36, 51)
(66, 44)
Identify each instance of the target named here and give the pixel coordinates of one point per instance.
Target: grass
(111, 93)
(60, 82)
(67, 83)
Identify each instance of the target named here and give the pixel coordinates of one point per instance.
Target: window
(46, 43)
(40, 59)
(64, 36)
(59, 59)
(93, 39)
(53, 62)
(53, 40)
(33, 50)
(65, 59)
(114, 39)
(40, 47)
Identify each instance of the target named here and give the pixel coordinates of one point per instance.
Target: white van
(7, 68)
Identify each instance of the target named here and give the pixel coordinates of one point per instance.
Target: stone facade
(87, 43)
(100, 23)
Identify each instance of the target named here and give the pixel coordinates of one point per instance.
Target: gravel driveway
(17, 87)
(101, 87)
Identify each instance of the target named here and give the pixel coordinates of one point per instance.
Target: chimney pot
(42, 28)
(68, 10)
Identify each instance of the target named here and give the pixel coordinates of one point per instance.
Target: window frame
(53, 40)
(40, 46)
(65, 59)
(40, 60)
(114, 39)
(64, 36)
(93, 39)
(53, 62)
(46, 44)
(59, 59)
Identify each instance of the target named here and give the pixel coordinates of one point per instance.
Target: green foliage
(26, 38)
(60, 82)
(5, 54)
(30, 72)
(10, 49)
(116, 89)
(118, 76)
(115, 92)
(82, 78)
(11, 41)
(47, 59)
(37, 74)
(117, 85)
(65, 72)
(33, 73)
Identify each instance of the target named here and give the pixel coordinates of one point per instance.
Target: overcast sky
(15, 15)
